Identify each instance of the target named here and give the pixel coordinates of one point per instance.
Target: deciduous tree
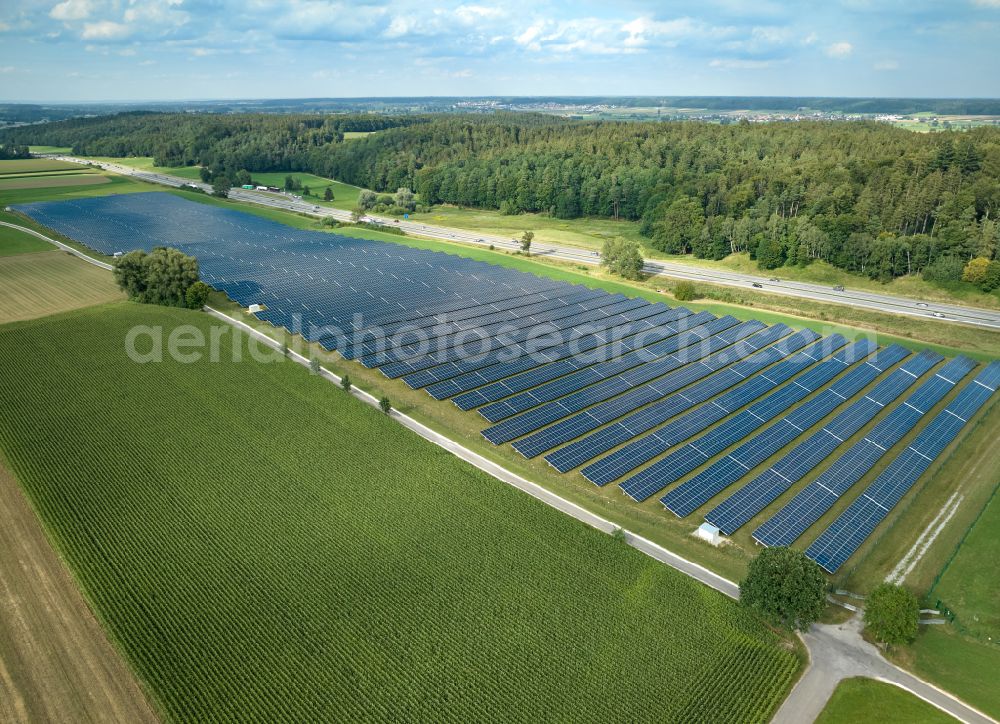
(785, 587)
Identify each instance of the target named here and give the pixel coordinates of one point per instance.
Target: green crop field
(13, 242)
(263, 546)
(859, 700)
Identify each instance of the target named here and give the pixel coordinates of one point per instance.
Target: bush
(314, 365)
(892, 615)
(975, 270)
(685, 292)
(345, 383)
(197, 295)
(384, 405)
(944, 269)
(785, 587)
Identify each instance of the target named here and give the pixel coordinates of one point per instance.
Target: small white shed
(709, 533)
(255, 308)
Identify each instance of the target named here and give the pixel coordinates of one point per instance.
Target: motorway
(860, 299)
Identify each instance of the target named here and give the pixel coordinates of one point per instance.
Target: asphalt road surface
(861, 299)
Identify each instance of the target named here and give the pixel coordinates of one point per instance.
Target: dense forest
(864, 196)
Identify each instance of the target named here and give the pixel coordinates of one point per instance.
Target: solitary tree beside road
(623, 258)
(328, 194)
(892, 614)
(221, 186)
(785, 587)
(526, 239)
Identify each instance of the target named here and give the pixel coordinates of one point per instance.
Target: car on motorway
(839, 288)
(774, 279)
(757, 285)
(938, 315)
(922, 304)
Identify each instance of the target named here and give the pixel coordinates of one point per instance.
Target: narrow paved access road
(837, 652)
(954, 313)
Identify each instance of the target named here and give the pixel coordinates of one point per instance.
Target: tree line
(864, 196)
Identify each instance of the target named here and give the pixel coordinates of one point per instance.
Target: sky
(80, 50)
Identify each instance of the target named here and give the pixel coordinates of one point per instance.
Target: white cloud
(987, 3)
(742, 64)
(643, 29)
(886, 65)
(105, 30)
(4, 27)
(470, 14)
(7, 68)
(839, 50)
(528, 37)
(71, 10)
(810, 39)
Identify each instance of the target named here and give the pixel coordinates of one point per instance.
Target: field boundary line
(64, 247)
(644, 545)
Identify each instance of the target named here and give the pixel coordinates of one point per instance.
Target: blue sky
(199, 49)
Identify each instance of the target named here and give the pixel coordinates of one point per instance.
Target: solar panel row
(534, 342)
(646, 418)
(693, 344)
(639, 395)
(570, 318)
(846, 534)
(771, 441)
(813, 501)
(686, 458)
(384, 338)
(584, 375)
(740, 507)
(435, 332)
(481, 387)
(689, 496)
(640, 383)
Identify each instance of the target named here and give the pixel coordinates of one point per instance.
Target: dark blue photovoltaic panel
(401, 334)
(409, 341)
(846, 534)
(588, 374)
(688, 457)
(566, 320)
(327, 287)
(697, 346)
(689, 496)
(747, 389)
(740, 507)
(531, 342)
(641, 387)
(509, 377)
(813, 501)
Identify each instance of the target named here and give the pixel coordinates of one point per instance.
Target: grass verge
(865, 700)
